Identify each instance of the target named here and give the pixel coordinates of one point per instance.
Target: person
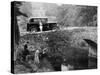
(40, 26)
(36, 57)
(25, 52)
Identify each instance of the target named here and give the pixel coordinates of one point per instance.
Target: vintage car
(36, 24)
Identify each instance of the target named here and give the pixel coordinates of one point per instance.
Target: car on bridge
(38, 24)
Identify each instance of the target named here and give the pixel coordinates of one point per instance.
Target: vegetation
(66, 44)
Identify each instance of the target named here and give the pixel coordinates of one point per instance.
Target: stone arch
(91, 43)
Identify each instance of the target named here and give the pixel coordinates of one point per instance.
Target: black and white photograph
(53, 37)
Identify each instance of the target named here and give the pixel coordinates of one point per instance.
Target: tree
(89, 14)
(15, 6)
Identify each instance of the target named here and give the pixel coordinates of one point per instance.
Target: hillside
(68, 44)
